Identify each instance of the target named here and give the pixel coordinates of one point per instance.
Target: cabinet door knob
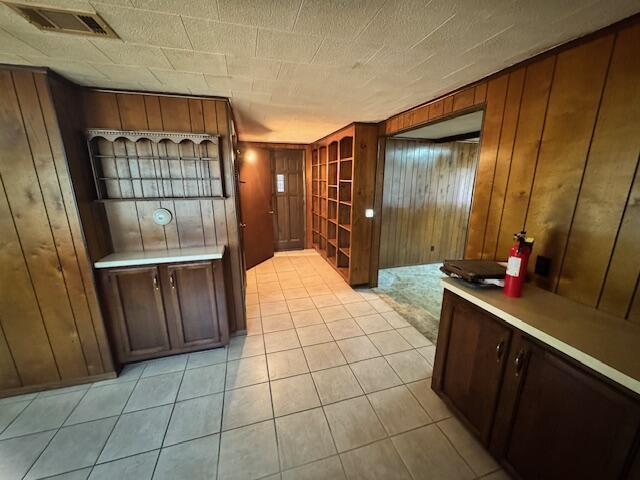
(155, 282)
(499, 350)
(519, 362)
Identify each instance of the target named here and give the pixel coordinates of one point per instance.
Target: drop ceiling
(296, 70)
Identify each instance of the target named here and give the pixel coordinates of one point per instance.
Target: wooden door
(256, 208)
(137, 318)
(194, 299)
(470, 362)
(557, 421)
(287, 167)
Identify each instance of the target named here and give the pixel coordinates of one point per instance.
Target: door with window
(287, 172)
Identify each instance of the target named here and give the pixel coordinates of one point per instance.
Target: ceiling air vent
(64, 21)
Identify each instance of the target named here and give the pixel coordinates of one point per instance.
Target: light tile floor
(329, 383)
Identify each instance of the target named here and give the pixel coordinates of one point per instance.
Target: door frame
(374, 262)
(306, 177)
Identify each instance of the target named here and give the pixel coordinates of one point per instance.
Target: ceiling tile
(63, 45)
(303, 72)
(66, 67)
(9, 59)
(189, 61)
(174, 78)
(253, 67)
(406, 22)
(216, 37)
(131, 53)
(127, 73)
(291, 47)
(277, 14)
(10, 44)
(191, 8)
(336, 18)
(12, 22)
(229, 83)
(144, 26)
(339, 52)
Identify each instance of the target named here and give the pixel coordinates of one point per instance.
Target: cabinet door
(469, 362)
(136, 312)
(195, 298)
(558, 421)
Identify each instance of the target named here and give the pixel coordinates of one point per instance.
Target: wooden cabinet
(165, 309)
(558, 421)
(543, 415)
(191, 299)
(475, 352)
(137, 321)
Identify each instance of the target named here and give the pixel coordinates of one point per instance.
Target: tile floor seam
(437, 424)
(324, 413)
(16, 417)
(54, 435)
(166, 428)
(224, 384)
(115, 423)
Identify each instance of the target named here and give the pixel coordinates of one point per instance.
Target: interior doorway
(287, 174)
(272, 200)
(429, 174)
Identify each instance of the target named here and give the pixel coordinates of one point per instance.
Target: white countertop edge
(587, 360)
(155, 257)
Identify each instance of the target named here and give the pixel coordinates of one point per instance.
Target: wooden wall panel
(426, 201)
(503, 162)
(571, 115)
(51, 330)
(491, 128)
(607, 180)
(563, 163)
(196, 222)
(533, 109)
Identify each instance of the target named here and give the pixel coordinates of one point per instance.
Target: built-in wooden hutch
(343, 167)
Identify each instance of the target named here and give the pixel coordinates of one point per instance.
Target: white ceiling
(296, 70)
(471, 122)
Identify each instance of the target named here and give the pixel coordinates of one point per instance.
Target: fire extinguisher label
(513, 266)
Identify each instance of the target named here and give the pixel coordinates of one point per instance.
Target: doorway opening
(271, 178)
(429, 175)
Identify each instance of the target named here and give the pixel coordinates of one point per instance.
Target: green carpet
(415, 293)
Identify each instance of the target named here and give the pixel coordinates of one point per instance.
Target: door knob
(243, 225)
(270, 212)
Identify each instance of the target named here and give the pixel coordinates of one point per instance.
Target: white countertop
(604, 343)
(151, 257)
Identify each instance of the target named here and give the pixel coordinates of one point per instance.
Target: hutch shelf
(144, 165)
(343, 167)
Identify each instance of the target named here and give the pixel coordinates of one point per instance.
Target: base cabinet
(164, 309)
(549, 417)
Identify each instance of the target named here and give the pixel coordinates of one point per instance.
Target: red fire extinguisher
(517, 264)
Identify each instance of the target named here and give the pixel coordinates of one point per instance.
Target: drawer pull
(519, 362)
(172, 281)
(499, 350)
(155, 282)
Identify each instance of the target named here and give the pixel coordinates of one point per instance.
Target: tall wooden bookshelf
(343, 167)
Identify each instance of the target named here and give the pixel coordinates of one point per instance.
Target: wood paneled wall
(426, 202)
(559, 158)
(195, 222)
(51, 329)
